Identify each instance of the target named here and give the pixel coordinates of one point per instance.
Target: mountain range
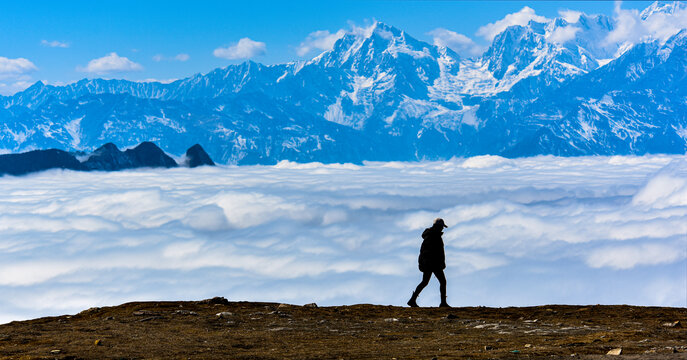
(381, 94)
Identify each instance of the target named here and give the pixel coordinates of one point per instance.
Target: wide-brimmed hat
(440, 221)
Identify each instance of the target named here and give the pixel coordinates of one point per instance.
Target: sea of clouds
(609, 230)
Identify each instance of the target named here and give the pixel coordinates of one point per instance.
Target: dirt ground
(243, 330)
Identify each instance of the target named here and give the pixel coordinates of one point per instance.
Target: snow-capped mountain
(555, 87)
(633, 105)
(660, 7)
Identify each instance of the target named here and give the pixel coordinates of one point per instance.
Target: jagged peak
(196, 156)
(681, 34)
(107, 147)
(386, 31)
(359, 34)
(250, 64)
(147, 145)
(378, 37)
(584, 22)
(376, 28)
(246, 66)
(588, 20)
(539, 27)
(676, 40)
(557, 22)
(35, 86)
(583, 33)
(510, 34)
(664, 7)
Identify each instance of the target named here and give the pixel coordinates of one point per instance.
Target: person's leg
(442, 286)
(425, 280)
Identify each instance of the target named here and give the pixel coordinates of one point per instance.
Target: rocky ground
(218, 329)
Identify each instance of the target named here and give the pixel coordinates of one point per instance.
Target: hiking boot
(444, 303)
(412, 302)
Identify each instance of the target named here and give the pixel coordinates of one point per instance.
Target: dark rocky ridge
(38, 160)
(196, 156)
(148, 154)
(106, 158)
(221, 329)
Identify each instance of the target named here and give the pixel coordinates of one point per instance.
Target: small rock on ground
(616, 351)
(225, 315)
(185, 312)
(156, 317)
(674, 324)
(144, 312)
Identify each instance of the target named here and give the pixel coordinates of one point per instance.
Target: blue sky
(173, 39)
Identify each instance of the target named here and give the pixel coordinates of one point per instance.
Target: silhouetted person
(432, 261)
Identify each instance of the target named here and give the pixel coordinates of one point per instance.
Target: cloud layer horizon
(587, 230)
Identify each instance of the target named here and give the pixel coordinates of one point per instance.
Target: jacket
(432, 250)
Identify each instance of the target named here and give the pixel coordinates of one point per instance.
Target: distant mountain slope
(380, 94)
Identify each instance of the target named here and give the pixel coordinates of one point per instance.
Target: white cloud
(627, 26)
(244, 49)
(342, 234)
(13, 87)
(164, 81)
(12, 68)
(666, 189)
(179, 57)
(660, 291)
(14, 75)
(630, 28)
(521, 17)
(182, 57)
(111, 63)
(663, 25)
(364, 30)
(321, 40)
(626, 257)
(459, 43)
(562, 35)
(571, 16)
(54, 43)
